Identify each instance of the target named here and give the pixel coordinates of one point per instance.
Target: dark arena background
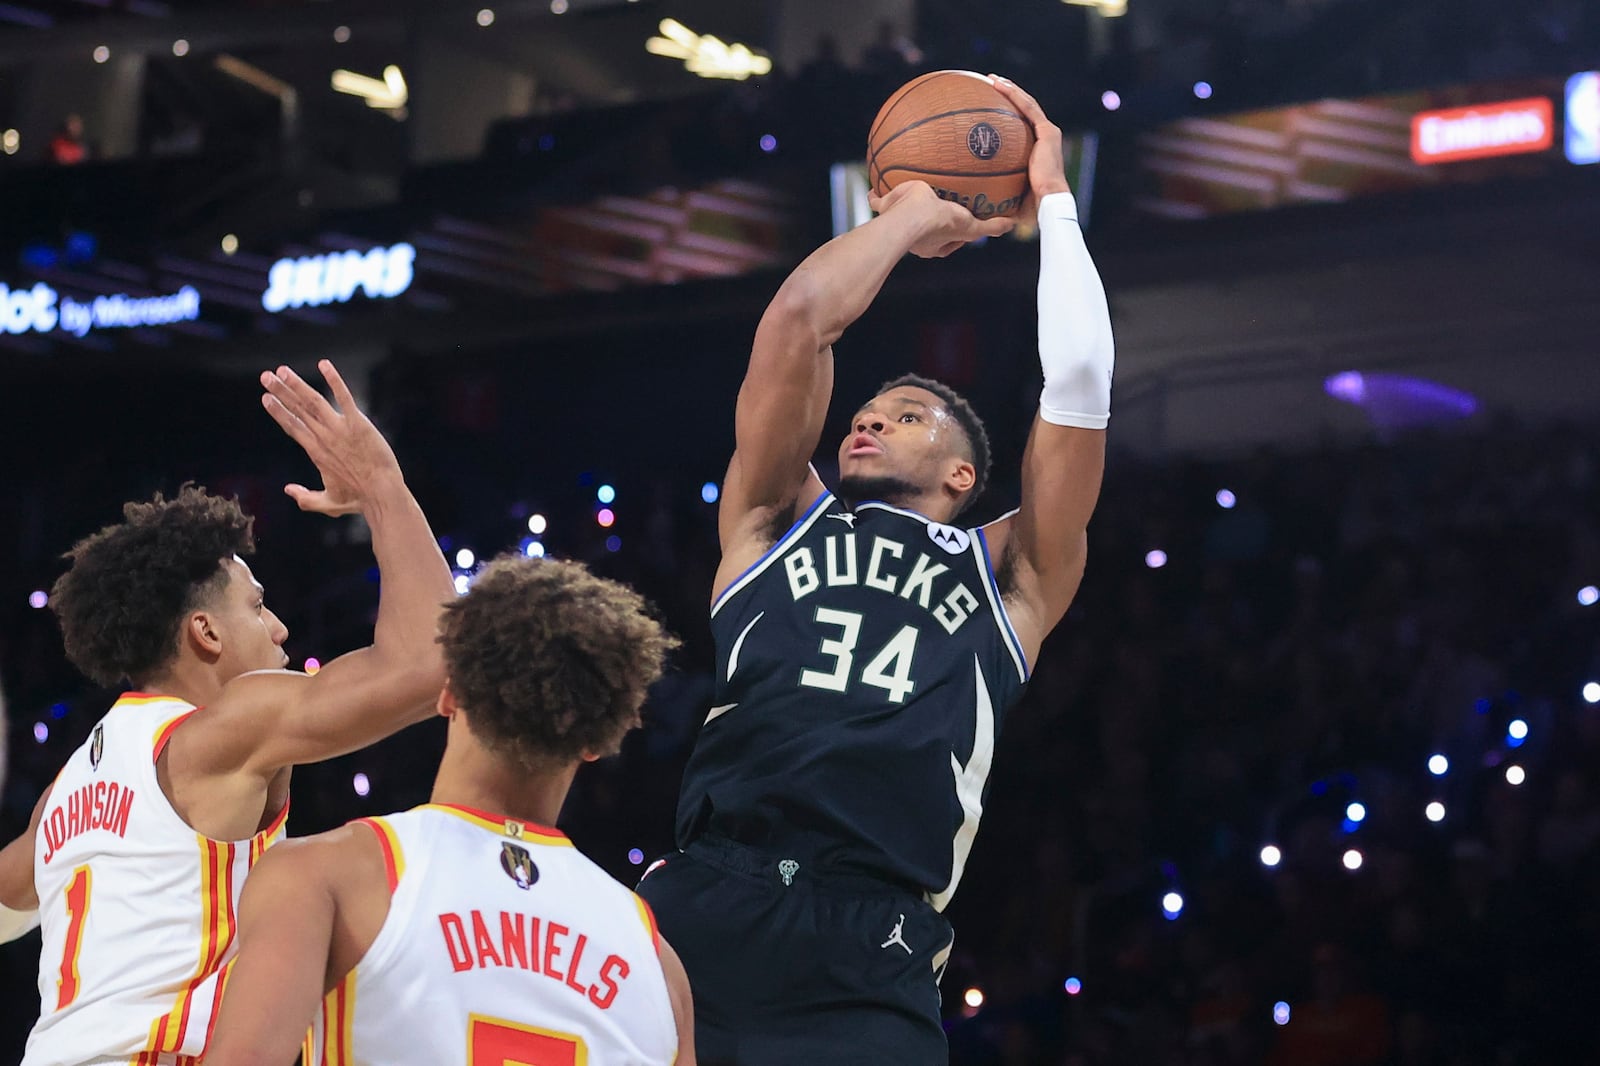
(1308, 775)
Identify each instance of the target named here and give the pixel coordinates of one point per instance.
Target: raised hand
(349, 452)
(946, 225)
(1047, 166)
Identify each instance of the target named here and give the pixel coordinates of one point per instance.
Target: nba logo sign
(1583, 117)
(983, 141)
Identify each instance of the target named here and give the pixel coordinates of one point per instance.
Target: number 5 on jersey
(889, 670)
(496, 1042)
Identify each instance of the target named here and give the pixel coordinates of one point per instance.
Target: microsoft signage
(317, 280)
(41, 309)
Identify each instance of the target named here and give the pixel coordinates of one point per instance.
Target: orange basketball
(953, 130)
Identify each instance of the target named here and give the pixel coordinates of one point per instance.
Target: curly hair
(122, 601)
(549, 662)
(971, 425)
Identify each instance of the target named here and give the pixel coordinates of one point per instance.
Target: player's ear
(961, 476)
(202, 635)
(447, 705)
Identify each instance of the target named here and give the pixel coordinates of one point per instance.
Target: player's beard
(861, 488)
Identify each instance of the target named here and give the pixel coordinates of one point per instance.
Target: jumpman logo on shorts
(896, 938)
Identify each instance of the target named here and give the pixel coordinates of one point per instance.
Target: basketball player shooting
(868, 649)
(449, 935)
(136, 855)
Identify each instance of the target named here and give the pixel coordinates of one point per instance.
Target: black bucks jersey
(864, 665)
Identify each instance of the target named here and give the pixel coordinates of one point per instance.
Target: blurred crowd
(1260, 644)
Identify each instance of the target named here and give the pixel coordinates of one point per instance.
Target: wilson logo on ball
(983, 141)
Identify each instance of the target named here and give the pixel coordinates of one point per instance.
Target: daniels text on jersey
(524, 942)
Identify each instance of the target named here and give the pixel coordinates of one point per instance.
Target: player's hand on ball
(946, 225)
(349, 452)
(1047, 166)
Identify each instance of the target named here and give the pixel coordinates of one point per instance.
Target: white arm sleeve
(1076, 350)
(14, 924)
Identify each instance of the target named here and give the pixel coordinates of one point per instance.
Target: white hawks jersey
(137, 909)
(503, 944)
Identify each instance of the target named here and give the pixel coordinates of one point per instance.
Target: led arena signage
(1583, 118)
(1482, 130)
(316, 280)
(41, 309)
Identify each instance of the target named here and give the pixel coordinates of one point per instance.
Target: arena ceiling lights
(705, 55)
(389, 95)
(1108, 8)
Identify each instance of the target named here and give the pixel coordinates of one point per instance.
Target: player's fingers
(1021, 99)
(341, 391)
(298, 431)
(306, 402)
(301, 495)
(997, 227)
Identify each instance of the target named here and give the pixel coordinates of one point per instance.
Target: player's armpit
(286, 919)
(1045, 543)
(16, 865)
(682, 1003)
(268, 720)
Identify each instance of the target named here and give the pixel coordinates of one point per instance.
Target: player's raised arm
(268, 720)
(784, 398)
(1045, 541)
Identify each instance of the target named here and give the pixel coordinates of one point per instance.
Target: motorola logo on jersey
(518, 865)
(953, 540)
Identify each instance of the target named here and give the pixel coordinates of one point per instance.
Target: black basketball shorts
(791, 965)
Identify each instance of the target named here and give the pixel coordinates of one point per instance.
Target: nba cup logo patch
(953, 540)
(983, 141)
(518, 865)
(97, 747)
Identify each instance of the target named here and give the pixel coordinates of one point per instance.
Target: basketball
(953, 130)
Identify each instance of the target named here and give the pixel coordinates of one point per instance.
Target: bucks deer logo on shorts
(518, 864)
(97, 747)
(983, 141)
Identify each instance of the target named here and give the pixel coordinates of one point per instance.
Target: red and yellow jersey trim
(338, 1017)
(504, 824)
(143, 699)
(649, 917)
(218, 924)
(164, 734)
(394, 857)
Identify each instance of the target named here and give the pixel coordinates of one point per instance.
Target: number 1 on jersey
(889, 670)
(77, 912)
(497, 1042)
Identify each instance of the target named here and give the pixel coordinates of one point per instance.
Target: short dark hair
(971, 425)
(123, 598)
(549, 662)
